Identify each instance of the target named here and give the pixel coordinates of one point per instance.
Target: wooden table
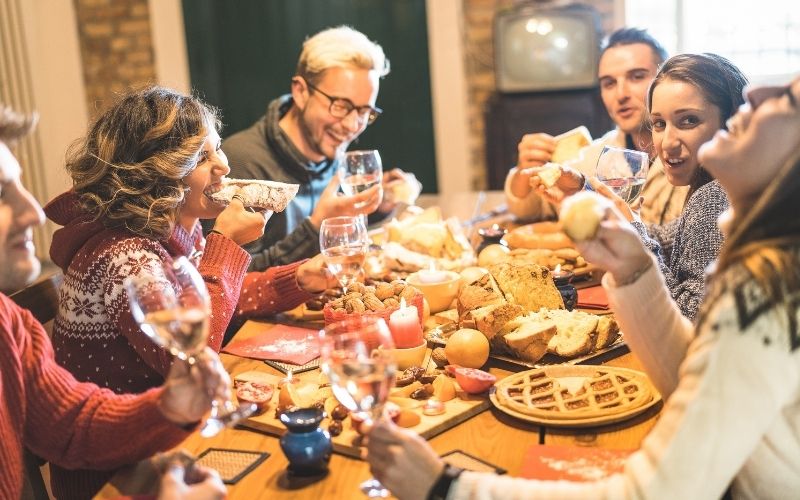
(492, 435)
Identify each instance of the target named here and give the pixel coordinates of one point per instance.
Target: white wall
(169, 44)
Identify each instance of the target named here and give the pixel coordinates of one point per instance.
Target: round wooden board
(581, 371)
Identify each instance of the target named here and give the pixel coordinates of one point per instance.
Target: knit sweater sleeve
(271, 291)
(735, 389)
(223, 267)
(79, 424)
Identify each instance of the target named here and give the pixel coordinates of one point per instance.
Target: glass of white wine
(358, 171)
(623, 170)
(343, 242)
(356, 355)
(172, 306)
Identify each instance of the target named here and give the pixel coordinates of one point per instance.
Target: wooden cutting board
(463, 407)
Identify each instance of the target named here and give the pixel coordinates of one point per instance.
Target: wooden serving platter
(348, 443)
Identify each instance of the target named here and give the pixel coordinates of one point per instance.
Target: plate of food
(575, 396)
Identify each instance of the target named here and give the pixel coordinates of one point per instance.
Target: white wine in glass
(172, 306)
(343, 242)
(359, 171)
(357, 356)
(623, 170)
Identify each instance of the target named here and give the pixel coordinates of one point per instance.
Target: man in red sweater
(42, 407)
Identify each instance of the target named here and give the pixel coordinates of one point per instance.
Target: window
(762, 38)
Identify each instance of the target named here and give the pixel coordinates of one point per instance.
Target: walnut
(352, 295)
(372, 302)
(384, 290)
(409, 293)
(337, 304)
(399, 286)
(340, 310)
(391, 302)
(355, 287)
(439, 357)
(355, 306)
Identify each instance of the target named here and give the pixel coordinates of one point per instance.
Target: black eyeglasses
(341, 107)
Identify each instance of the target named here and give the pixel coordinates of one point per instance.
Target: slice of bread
(577, 333)
(528, 285)
(263, 195)
(491, 319)
(570, 143)
(549, 174)
(607, 332)
(480, 293)
(530, 340)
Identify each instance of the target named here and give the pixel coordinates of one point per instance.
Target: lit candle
(405, 326)
(562, 277)
(431, 275)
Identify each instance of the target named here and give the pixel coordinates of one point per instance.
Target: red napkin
(572, 463)
(593, 297)
(289, 344)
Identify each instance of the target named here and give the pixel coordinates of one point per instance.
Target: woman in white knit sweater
(731, 383)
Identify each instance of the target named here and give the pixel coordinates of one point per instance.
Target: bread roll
(263, 195)
(581, 215)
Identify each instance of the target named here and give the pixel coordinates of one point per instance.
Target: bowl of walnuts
(380, 299)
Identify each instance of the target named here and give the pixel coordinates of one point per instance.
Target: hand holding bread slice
(582, 213)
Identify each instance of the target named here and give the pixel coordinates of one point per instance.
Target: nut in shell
(372, 302)
(409, 293)
(439, 357)
(355, 306)
(384, 291)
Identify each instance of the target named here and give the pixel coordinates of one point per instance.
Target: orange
(467, 347)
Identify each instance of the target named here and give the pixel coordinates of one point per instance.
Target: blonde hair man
(298, 140)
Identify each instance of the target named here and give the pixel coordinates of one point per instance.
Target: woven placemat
(232, 465)
(287, 367)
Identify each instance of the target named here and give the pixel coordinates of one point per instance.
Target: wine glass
(343, 242)
(623, 170)
(172, 306)
(359, 171)
(356, 355)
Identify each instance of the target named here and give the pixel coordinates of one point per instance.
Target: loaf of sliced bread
(480, 293)
(528, 285)
(490, 319)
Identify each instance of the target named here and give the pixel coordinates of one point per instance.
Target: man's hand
(195, 482)
(402, 461)
(399, 187)
(241, 225)
(190, 388)
(535, 150)
(313, 276)
(332, 204)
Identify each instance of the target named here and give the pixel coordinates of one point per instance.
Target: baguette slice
(263, 195)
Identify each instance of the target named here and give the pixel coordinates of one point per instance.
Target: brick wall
(116, 48)
(479, 54)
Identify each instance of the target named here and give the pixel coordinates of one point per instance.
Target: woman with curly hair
(731, 382)
(141, 183)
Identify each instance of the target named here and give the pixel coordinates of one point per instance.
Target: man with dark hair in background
(628, 63)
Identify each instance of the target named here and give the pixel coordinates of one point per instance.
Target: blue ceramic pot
(306, 445)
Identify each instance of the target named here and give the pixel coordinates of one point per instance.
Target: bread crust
(263, 195)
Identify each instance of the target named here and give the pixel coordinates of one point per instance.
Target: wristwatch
(442, 485)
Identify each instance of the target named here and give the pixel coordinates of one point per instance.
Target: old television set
(541, 47)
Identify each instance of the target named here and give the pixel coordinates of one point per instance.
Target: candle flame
(432, 266)
(402, 302)
(557, 269)
(289, 376)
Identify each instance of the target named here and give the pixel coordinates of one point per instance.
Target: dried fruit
(335, 428)
(340, 412)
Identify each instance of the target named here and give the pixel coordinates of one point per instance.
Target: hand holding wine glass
(343, 242)
(359, 171)
(356, 355)
(172, 306)
(623, 170)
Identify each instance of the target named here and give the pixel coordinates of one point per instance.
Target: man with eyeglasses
(332, 102)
